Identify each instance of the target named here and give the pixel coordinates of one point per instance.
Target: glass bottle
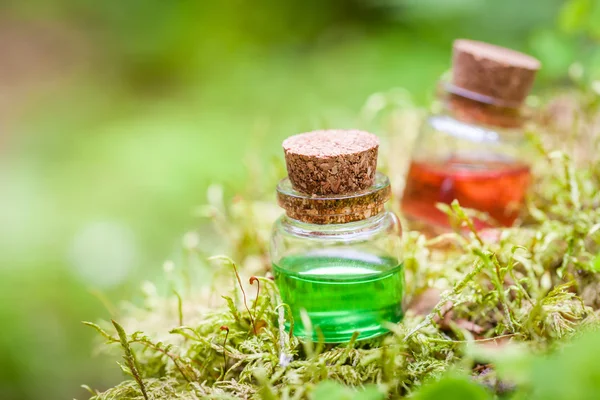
(337, 257)
(474, 150)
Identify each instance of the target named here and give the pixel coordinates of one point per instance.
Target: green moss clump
(531, 287)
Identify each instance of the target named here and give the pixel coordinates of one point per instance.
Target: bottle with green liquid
(336, 251)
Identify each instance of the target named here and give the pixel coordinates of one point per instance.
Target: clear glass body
(483, 166)
(347, 277)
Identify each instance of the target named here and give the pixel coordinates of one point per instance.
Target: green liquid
(342, 292)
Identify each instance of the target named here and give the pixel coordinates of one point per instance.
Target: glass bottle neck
(472, 111)
(323, 231)
(470, 107)
(334, 209)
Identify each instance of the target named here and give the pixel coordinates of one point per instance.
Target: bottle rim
(449, 87)
(334, 209)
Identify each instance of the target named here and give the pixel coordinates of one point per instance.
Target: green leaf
(370, 392)
(453, 388)
(571, 373)
(329, 390)
(595, 265)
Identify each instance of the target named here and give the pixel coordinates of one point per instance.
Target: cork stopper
(492, 74)
(331, 161)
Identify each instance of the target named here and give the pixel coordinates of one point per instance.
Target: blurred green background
(115, 117)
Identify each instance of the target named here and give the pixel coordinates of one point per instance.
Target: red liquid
(495, 187)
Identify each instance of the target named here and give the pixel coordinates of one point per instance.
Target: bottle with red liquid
(474, 151)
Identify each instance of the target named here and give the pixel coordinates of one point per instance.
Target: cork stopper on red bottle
(501, 75)
(331, 161)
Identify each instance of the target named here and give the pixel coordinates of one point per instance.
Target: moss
(519, 285)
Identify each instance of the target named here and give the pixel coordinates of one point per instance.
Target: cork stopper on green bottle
(331, 161)
(332, 177)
